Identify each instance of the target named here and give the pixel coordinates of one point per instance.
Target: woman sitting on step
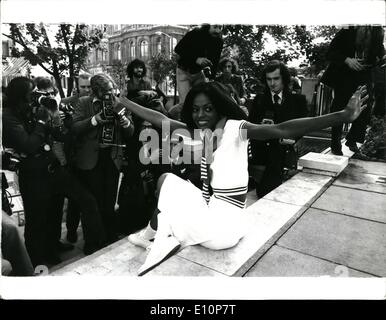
(212, 217)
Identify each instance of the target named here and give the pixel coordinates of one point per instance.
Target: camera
(207, 72)
(44, 99)
(67, 109)
(110, 113)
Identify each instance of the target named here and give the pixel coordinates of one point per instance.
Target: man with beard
(139, 88)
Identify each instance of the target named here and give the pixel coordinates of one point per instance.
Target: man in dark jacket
(277, 104)
(200, 48)
(352, 53)
(28, 130)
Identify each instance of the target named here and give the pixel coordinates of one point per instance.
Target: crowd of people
(85, 148)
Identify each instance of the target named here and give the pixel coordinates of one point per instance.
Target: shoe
(336, 149)
(143, 238)
(162, 249)
(336, 146)
(337, 152)
(352, 146)
(61, 247)
(72, 236)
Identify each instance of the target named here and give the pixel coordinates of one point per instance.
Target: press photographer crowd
(77, 159)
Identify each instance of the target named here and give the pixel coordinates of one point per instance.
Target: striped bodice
(229, 169)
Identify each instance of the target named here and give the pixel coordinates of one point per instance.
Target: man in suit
(99, 161)
(277, 104)
(352, 54)
(73, 213)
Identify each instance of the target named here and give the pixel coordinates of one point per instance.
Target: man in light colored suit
(99, 162)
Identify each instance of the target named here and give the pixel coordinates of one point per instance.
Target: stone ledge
(268, 221)
(302, 189)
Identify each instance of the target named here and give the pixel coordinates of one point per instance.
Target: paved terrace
(315, 224)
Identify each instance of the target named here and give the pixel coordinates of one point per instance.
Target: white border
(196, 11)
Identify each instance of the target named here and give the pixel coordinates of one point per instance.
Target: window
(158, 45)
(173, 43)
(144, 46)
(132, 50)
(119, 51)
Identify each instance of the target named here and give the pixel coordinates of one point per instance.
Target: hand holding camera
(203, 62)
(100, 119)
(42, 114)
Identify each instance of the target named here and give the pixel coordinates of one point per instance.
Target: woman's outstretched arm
(299, 127)
(154, 117)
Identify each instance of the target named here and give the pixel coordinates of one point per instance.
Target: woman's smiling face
(204, 114)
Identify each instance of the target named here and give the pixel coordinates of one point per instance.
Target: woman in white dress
(212, 217)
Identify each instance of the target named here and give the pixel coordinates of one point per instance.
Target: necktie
(276, 98)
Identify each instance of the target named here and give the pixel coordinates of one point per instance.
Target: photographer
(102, 126)
(198, 54)
(28, 129)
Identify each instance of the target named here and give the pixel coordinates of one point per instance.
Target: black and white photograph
(190, 156)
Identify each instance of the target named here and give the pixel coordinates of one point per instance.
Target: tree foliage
(118, 72)
(163, 66)
(247, 45)
(59, 49)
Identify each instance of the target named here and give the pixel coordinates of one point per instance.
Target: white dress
(219, 224)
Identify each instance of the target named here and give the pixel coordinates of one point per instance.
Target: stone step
(323, 162)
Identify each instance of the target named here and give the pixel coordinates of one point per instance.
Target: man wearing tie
(277, 104)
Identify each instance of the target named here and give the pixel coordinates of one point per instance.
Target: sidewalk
(343, 233)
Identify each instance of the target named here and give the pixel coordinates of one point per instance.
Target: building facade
(124, 43)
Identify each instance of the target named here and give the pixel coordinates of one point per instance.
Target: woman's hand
(353, 110)
(124, 121)
(203, 62)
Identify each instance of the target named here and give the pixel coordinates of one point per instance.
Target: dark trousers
(102, 182)
(271, 155)
(357, 131)
(73, 217)
(73, 211)
(42, 192)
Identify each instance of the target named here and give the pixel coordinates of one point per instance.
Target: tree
(118, 73)
(247, 45)
(56, 48)
(163, 67)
